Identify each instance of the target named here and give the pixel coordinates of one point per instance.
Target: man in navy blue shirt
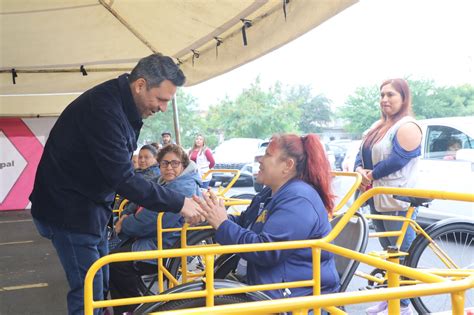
(87, 160)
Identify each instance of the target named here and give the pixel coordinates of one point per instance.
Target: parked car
(350, 156)
(235, 153)
(339, 147)
(256, 165)
(447, 170)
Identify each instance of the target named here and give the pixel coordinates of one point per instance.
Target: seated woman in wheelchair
(295, 205)
(139, 227)
(146, 164)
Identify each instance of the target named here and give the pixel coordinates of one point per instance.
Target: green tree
(316, 109)
(425, 100)
(431, 101)
(255, 113)
(361, 109)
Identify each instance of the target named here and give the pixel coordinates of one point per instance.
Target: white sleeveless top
(403, 178)
(203, 165)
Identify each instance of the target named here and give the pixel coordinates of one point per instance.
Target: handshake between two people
(209, 208)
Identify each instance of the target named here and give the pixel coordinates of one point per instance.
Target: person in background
(86, 162)
(202, 155)
(156, 145)
(147, 162)
(453, 145)
(166, 138)
(295, 205)
(389, 157)
(135, 161)
(177, 173)
(147, 166)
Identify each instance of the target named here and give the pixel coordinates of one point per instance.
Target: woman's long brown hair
(384, 124)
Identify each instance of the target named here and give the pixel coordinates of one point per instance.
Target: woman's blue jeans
(77, 252)
(383, 226)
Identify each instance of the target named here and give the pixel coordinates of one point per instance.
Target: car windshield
(237, 150)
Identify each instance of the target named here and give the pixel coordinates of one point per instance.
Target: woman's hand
(212, 208)
(118, 224)
(366, 178)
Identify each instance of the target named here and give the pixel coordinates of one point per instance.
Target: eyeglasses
(174, 163)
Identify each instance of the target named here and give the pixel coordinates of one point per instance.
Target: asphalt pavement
(32, 280)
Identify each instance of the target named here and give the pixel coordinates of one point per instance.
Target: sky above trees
(369, 42)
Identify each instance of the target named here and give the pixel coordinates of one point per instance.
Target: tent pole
(176, 121)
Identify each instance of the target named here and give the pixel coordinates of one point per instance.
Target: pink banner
(20, 152)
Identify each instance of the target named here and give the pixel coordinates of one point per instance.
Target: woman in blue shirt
(295, 205)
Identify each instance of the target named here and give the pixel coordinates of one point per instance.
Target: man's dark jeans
(77, 252)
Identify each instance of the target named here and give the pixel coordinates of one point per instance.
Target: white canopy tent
(55, 47)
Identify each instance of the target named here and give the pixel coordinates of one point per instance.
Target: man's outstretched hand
(190, 212)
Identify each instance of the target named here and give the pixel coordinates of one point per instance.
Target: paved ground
(31, 278)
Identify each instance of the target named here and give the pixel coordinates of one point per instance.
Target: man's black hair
(155, 69)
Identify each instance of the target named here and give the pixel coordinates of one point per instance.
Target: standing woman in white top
(202, 155)
(389, 157)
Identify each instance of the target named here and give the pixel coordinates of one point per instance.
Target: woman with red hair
(389, 157)
(295, 205)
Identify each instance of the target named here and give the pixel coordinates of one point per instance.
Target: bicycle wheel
(200, 302)
(456, 239)
(196, 264)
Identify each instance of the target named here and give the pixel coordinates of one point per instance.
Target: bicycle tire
(457, 240)
(201, 302)
(204, 237)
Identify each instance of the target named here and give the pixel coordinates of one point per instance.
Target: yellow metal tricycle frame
(185, 276)
(435, 284)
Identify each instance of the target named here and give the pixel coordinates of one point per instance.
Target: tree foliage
(316, 109)
(430, 101)
(361, 109)
(255, 113)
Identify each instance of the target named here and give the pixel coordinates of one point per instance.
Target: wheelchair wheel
(225, 267)
(456, 239)
(196, 264)
(201, 302)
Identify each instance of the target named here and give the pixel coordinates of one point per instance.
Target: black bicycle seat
(414, 201)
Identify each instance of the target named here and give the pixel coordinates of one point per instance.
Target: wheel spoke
(457, 241)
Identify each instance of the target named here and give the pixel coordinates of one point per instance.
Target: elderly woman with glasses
(177, 173)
